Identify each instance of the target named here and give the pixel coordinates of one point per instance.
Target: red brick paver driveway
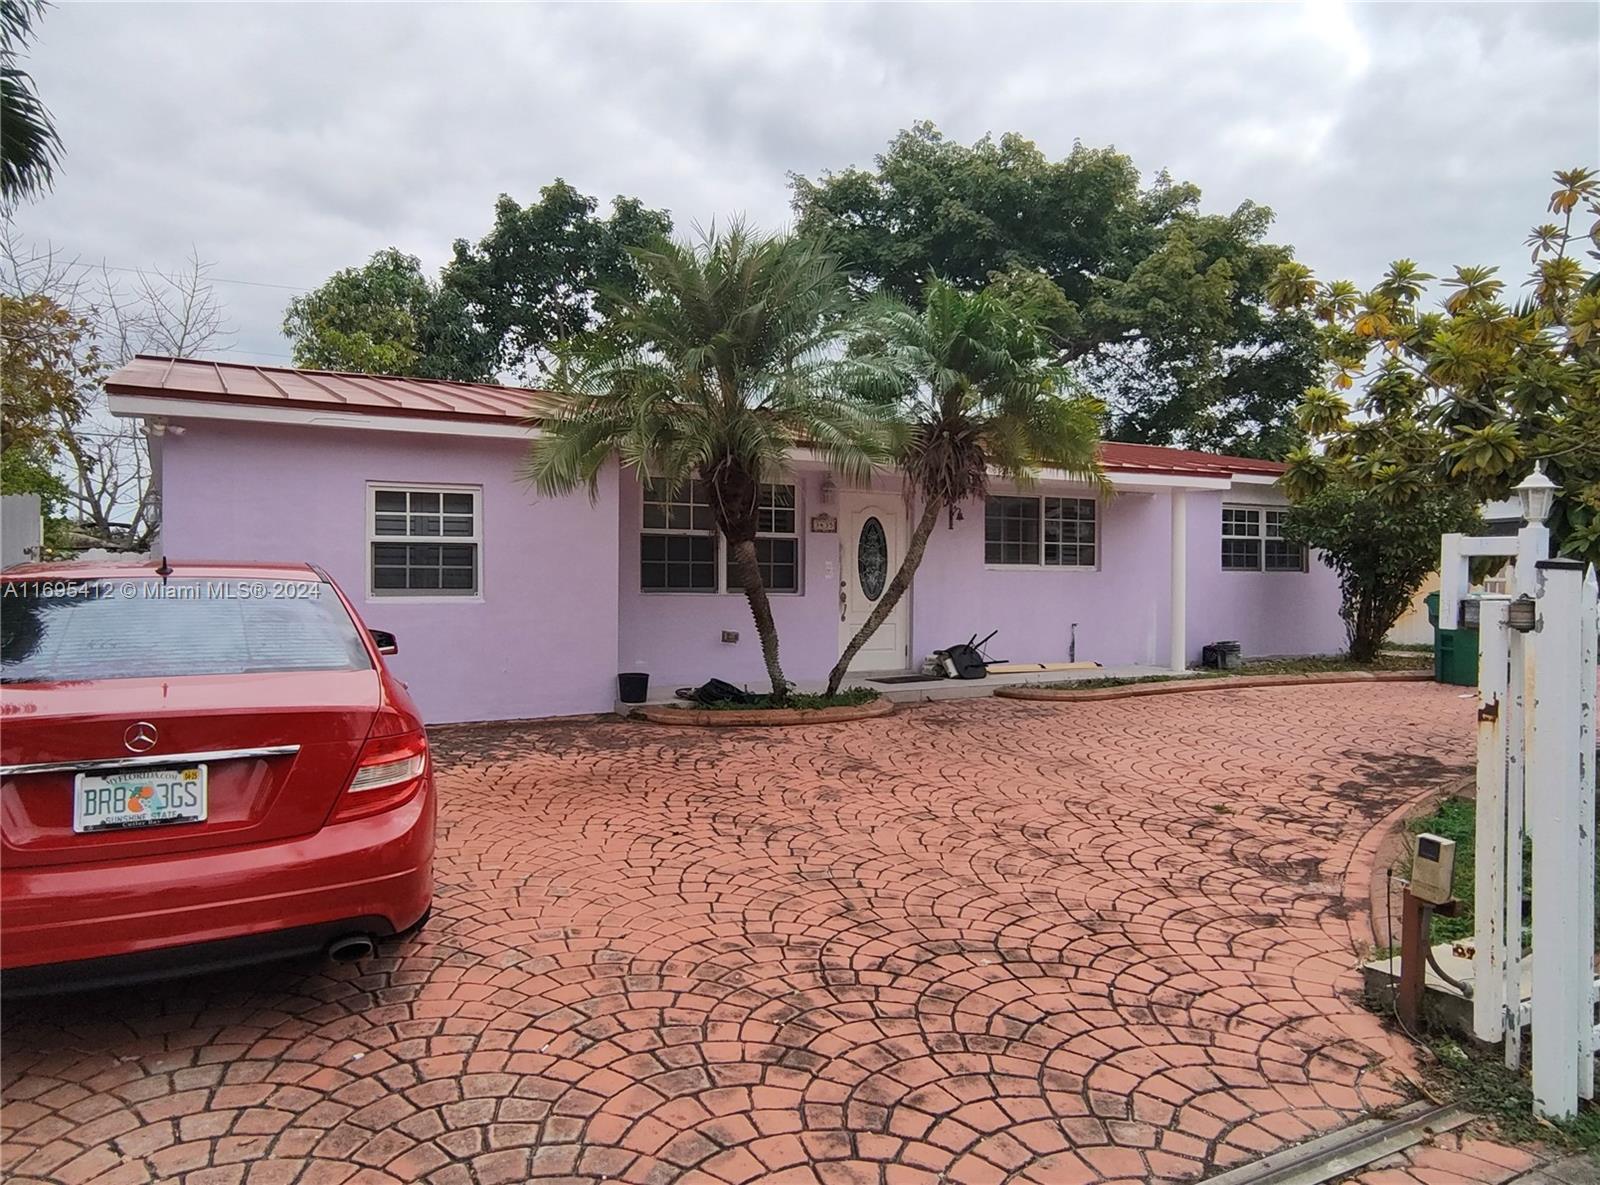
(975, 942)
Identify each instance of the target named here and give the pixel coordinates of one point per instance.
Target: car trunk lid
(311, 725)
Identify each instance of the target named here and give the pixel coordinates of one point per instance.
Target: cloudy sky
(285, 141)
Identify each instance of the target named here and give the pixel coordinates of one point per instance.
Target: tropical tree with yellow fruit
(1427, 406)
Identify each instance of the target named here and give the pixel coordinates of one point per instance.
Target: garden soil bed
(761, 717)
(1223, 684)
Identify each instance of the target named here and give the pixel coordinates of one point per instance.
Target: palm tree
(728, 363)
(29, 146)
(975, 390)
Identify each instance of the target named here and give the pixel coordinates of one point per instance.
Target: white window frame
(1261, 537)
(408, 596)
(720, 551)
(1039, 565)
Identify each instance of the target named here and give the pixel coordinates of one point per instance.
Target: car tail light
(391, 770)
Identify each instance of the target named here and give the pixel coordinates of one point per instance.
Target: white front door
(872, 542)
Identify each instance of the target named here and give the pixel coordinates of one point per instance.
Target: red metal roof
(320, 390)
(384, 395)
(1148, 458)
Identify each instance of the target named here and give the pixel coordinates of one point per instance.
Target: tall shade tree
(972, 384)
(387, 317)
(549, 271)
(30, 149)
(730, 362)
(1161, 305)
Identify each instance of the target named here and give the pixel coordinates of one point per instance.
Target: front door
(872, 542)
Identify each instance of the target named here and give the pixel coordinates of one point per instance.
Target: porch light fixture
(1469, 613)
(1537, 494)
(827, 490)
(1522, 614)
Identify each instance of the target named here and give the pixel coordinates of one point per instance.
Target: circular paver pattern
(973, 942)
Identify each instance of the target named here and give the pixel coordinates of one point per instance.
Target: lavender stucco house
(511, 605)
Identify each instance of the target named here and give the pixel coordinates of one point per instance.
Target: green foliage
(1381, 550)
(23, 471)
(1456, 819)
(1163, 306)
(1311, 665)
(47, 359)
(969, 385)
(728, 362)
(30, 149)
(850, 697)
(1468, 395)
(1477, 1079)
(386, 317)
(973, 385)
(545, 273)
(549, 271)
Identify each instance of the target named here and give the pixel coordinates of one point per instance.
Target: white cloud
(287, 141)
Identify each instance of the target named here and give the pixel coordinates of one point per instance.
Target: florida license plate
(139, 798)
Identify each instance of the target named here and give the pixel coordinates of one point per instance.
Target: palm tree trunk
(748, 570)
(891, 595)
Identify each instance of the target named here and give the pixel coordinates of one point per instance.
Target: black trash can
(633, 687)
(1222, 656)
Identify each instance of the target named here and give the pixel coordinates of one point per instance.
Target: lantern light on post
(1522, 614)
(1537, 494)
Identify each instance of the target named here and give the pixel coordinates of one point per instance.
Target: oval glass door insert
(872, 559)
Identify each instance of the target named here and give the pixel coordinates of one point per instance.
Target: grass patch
(1318, 665)
(850, 697)
(1456, 818)
(1327, 664)
(1411, 647)
(1479, 1081)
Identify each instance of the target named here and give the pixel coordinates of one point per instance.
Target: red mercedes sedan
(201, 765)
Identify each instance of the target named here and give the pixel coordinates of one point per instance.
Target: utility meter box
(1433, 869)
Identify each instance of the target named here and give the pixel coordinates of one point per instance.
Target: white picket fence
(1536, 756)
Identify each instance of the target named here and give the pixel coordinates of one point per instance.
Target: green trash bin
(1455, 657)
(1455, 652)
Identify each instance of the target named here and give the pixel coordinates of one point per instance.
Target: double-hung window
(777, 542)
(681, 550)
(1040, 532)
(424, 540)
(678, 542)
(1252, 541)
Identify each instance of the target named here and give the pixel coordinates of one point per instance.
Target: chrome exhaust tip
(352, 948)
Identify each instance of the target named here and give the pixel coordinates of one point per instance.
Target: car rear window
(57, 630)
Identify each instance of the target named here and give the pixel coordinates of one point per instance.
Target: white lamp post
(1537, 493)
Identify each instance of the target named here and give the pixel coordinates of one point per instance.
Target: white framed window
(1252, 541)
(681, 550)
(1041, 532)
(777, 542)
(423, 541)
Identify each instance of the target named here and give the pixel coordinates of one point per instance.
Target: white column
(1493, 947)
(1563, 958)
(1179, 656)
(1588, 666)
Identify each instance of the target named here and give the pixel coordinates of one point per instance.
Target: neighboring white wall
(21, 529)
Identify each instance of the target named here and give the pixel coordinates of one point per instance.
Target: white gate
(1536, 756)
